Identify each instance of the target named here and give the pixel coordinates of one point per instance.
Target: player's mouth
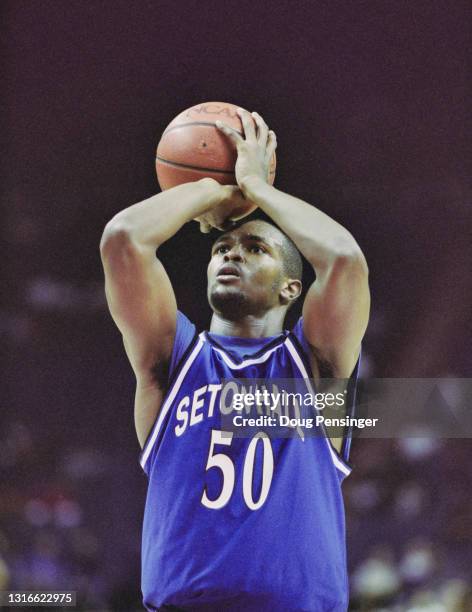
(228, 272)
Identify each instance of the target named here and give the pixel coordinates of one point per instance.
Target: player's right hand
(255, 149)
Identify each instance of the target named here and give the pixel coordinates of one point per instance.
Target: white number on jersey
(224, 463)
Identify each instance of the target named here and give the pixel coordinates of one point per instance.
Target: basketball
(192, 147)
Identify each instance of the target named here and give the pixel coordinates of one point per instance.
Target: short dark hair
(293, 264)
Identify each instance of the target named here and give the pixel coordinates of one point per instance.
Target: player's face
(246, 271)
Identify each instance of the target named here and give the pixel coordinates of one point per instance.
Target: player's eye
(255, 248)
(221, 249)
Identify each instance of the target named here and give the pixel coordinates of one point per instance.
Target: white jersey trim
(168, 403)
(238, 366)
(183, 372)
(342, 467)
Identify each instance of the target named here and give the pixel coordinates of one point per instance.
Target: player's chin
(228, 300)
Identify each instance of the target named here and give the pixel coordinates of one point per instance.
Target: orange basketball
(192, 147)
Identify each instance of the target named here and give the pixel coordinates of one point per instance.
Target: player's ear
(290, 291)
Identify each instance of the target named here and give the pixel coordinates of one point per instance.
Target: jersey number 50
(224, 463)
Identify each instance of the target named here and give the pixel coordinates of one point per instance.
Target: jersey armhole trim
(300, 359)
(172, 381)
(351, 409)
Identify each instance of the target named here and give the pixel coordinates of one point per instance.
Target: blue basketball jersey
(239, 524)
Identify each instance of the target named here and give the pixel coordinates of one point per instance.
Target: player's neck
(250, 326)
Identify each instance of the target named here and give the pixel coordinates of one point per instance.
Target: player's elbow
(115, 236)
(347, 255)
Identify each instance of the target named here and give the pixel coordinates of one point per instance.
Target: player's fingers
(262, 129)
(227, 225)
(271, 145)
(205, 227)
(232, 134)
(216, 222)
(248, 125)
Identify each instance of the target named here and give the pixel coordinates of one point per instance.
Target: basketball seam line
(182, 125)
(189, 167)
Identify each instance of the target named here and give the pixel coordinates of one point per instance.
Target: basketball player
(231, 523)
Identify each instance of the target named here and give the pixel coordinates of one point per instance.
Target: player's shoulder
(184, 322)
(298, 335)
(185, 334)
(297, 328)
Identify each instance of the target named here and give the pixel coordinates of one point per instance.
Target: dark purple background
(368, 100)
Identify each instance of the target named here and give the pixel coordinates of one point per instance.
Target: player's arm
(336, 308)
(138, 291)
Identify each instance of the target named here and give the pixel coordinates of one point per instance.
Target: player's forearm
(320, 239)
(155, 220)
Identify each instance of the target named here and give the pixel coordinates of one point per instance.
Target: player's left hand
(255, 148)
(231, 206)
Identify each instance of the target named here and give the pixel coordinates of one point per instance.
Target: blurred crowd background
(369, 104)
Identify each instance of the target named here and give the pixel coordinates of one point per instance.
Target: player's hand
(228, 206)
(255, 148)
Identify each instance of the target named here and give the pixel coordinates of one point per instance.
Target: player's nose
(234, 254)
